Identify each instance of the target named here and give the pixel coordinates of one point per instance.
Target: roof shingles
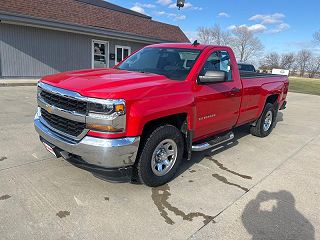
(75, 12)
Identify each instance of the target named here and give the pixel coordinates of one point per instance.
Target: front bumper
(94, 152)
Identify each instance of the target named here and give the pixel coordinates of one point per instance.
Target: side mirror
(213, 77)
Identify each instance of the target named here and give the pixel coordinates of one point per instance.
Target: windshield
(174, 63)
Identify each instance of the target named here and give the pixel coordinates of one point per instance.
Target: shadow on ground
(273, 216)
(239, 133)
(197, 157)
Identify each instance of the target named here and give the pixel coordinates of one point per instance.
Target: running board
(212, 143)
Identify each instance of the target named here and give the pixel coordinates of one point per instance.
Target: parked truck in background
(245, 67)
(145, 116)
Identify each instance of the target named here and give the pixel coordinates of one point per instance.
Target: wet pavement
(250, 188)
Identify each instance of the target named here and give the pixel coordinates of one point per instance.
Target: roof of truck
(183, 45)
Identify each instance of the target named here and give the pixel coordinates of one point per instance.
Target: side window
(218, 61)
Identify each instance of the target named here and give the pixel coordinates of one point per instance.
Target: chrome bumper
(106, 153)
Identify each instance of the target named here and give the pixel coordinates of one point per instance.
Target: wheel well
(176, 120)
(272, 99)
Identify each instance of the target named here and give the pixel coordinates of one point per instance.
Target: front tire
(266, 122)
(160, 156)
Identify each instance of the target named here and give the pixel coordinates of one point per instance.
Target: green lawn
(304, 85)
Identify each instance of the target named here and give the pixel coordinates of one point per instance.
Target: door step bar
(212, 143)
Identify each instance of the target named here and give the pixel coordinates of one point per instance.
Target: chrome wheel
(164, 157)
(267, 121)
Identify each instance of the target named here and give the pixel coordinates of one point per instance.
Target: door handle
(235, 90)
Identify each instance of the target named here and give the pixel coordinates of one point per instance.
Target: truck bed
(250, 75)
(256, 88)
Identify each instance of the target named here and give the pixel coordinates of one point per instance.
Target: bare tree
(275, 60)
(219, 36)
(287, 61)
(316, 37)
(270, 61)
(302, 59)
(313, 66)
(245, 44)
(204, 35)
(214, 35)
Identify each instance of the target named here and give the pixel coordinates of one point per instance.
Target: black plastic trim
(283, 106)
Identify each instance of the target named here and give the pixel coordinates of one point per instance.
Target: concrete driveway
(250, 189)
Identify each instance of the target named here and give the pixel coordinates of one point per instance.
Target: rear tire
(160, 156)
(266, 121)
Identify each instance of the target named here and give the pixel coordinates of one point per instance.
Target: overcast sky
(282, 25)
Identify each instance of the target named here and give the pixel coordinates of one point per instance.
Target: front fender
(145, 110)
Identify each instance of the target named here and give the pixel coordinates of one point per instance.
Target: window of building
(121, 53)
(100, 53)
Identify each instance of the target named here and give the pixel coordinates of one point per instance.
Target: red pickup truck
(142, 118)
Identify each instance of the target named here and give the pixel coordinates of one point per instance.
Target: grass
(304, 85)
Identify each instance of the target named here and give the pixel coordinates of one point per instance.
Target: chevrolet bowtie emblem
(49, 109)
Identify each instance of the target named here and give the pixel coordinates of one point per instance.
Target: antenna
(195, 43)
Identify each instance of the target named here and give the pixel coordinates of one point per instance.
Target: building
(40, 37)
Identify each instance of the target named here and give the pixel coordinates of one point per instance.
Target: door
(100, 53)
(217, 104)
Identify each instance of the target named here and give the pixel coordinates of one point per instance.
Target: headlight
(110, 111)
(106, 115)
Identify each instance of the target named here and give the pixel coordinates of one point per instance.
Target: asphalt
(251, 188)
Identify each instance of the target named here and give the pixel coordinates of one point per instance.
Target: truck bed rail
(249, 75)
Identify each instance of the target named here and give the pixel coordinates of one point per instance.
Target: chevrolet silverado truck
(142, 118)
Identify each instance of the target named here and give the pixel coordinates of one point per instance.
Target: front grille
(62, 124)
(64, 102)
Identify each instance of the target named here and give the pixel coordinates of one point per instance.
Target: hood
(111, 83)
